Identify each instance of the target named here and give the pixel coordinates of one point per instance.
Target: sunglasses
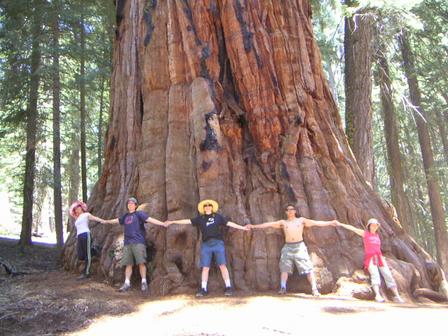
(205, 205)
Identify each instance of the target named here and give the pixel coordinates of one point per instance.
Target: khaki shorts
(295, 254)
(133, 251)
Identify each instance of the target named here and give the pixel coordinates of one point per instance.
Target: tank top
(372, 249)
(82, 223)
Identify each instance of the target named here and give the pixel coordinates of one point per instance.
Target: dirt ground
(50, 301)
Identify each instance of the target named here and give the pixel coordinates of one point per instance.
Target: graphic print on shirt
(129, 219)
(210, 221)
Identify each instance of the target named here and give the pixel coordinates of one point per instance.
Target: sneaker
(144, 287)
(282, 291)
(315, 292)
(379, 298)
(202, 292)
(228, 291)
(83, 276)
(124, 288)
(398, 299)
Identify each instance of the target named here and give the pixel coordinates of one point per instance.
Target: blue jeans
(210, 247)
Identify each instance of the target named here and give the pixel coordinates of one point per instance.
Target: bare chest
(293, 231)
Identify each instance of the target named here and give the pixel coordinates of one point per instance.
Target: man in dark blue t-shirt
(210, 224)
(134, 241)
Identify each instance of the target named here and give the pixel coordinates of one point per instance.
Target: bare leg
(283, 281)
(128, 273)
(142, 269)
(312, 280)
(204, 275)
(225, 274)
(204, 279)
(284, 278)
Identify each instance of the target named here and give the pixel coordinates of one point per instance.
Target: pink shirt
(372, 249)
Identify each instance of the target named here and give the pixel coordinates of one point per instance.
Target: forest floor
(49, 301)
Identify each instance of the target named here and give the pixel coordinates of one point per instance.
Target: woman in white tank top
(78, 210)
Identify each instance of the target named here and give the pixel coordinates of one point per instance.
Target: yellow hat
(214, 204)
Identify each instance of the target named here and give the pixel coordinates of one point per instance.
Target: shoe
(398, 299)
(144, 287)
(379, 299)
(83, 276)
(124, 288)
(282, 291)
(228, 291)
(315, 292)
(202, 292)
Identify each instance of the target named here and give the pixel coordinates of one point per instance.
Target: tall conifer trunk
(437, 212)
(358, 38)
(31, 131)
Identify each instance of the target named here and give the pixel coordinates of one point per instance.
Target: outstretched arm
(155, 221)
(277, 225)
(96, 219)
(111, 221)
(352, 228)
(179, 221)
(237, 226)
(310, 222)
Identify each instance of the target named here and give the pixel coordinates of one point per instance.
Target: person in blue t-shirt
(210, 224)
(134, 241)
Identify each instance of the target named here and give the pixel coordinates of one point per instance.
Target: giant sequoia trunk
(227, 100)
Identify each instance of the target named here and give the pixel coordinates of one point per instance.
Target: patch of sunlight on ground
(270, 315)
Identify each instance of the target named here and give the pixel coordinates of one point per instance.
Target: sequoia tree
(227, 100)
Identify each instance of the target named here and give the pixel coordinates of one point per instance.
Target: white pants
(375, 271)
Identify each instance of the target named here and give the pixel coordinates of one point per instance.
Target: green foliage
(428, 23)
(15, 46)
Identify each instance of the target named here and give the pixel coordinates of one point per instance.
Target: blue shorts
(213, 247)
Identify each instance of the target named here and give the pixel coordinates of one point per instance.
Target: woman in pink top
(374, 260)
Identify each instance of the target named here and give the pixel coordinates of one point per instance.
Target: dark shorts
(213, 247)
(133, 251)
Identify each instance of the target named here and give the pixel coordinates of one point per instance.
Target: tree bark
(227, 100)
(56, 130)
(31, 132)
(442, 120)
(395, 169)
(82, 104)
(73, 170)
(100, 127)
(437, 212)
(358, 37)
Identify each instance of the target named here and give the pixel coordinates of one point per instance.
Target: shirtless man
(294, 251)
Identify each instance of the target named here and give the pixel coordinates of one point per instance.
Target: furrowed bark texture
(227, 100)
(358, 39)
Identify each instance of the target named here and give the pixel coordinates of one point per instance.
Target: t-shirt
(372, 249)
(82, 223)
(134, 227)
(210, 226)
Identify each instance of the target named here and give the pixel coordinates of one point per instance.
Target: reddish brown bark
(227, 100)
